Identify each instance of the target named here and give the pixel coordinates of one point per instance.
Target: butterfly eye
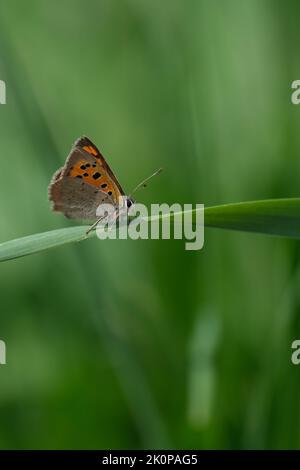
(129, 202)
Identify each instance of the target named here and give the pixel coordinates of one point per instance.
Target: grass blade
(41, 241)
(279, 217)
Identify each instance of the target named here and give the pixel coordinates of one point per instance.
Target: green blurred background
(141, 344)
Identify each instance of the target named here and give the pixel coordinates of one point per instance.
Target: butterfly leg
(115, 214)
(95, 224)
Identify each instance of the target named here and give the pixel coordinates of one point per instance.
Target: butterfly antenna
(144, 183)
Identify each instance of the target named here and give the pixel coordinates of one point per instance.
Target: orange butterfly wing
(97, 173)
(84, 182)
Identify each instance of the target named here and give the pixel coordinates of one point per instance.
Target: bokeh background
(141, 344)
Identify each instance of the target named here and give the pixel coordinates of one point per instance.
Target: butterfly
(86, 181)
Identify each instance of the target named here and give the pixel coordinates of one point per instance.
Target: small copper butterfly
(86, 181)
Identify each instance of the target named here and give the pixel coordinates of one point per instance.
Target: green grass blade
(279, 217)
(40, 241)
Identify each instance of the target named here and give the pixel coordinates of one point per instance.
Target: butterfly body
(84, 182)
